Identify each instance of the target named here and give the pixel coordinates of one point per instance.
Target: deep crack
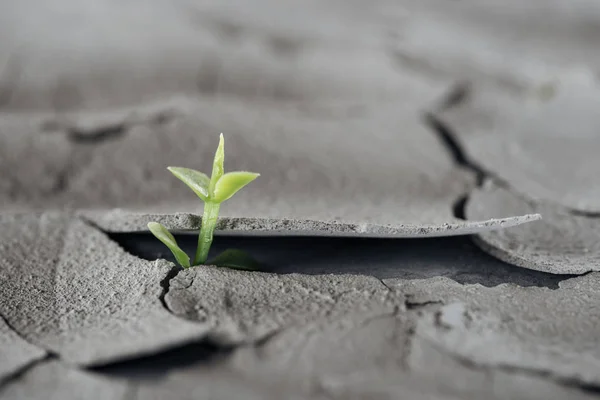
(166, 285)
(461, 158)
(452, 144)
(93, 136)
(587, 214)
(458, 208)
(415, 305)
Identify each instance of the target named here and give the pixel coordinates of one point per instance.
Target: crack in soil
(459, 206)
(462, 159)
(97, 135)
(415, 305)
(23, 338)
(165, 283)
(84, 140)
(456, 150)
(16, 375)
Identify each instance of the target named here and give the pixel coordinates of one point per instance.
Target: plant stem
(205, 237)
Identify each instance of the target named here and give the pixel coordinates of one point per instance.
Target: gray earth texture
(427, 217)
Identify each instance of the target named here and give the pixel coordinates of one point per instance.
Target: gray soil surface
(407, 151)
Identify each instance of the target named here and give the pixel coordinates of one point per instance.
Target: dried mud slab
(245, 307)
(442, 372)
(69, 289)
(535, 332)
(561, 243)
(365, 176)
(409, 344)
(15, 353)
(381, 356)
(54, 380)
(47, 156)
(543, 146)
(380, 172)
(123, 221)
(218, 382)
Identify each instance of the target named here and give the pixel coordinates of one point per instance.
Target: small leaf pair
(212, 191)
(228, 185)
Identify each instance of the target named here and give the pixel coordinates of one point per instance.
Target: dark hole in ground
(457, 258)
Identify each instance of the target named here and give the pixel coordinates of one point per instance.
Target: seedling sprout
(212, 191)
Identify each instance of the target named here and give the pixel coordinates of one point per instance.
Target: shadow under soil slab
(69, 289)
(561, 243)
(456, 257)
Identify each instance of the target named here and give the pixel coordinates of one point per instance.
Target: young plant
(212, 191)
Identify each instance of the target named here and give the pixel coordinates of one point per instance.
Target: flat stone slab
(15, 353)
(561, 243)
(69, 289)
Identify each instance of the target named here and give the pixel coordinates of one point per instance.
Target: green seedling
(212, 191)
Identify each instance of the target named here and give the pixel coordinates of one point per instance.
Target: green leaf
(235, 259)
(165, 236)
(218, 164)
(230, 183)
(195, 180)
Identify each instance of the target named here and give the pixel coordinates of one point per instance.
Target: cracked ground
(427, 215)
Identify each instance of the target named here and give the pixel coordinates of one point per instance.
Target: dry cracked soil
(427, 217)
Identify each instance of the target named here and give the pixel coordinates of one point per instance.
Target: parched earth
(428, 211)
